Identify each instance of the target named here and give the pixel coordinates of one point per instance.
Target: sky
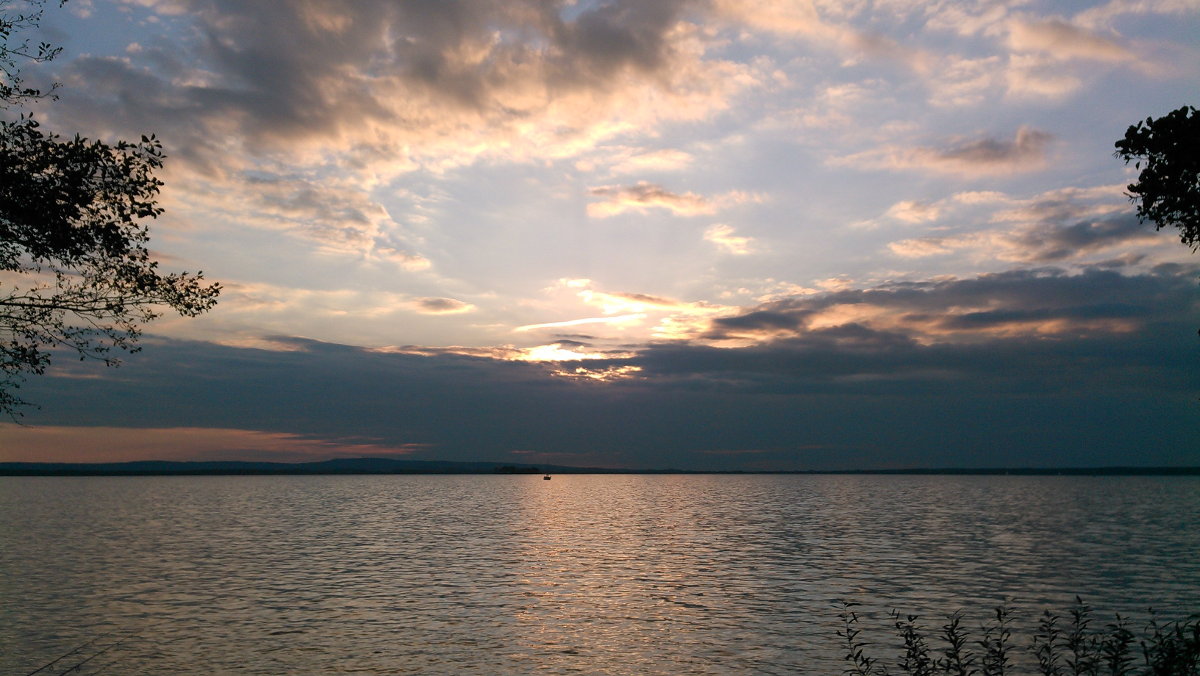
(720, 234)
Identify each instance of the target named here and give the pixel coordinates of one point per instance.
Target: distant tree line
(512, 469)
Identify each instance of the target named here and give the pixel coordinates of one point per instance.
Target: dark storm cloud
(1059, 227)
(618, 34)
(976, 320)
(1144, 326)
(1087, 235)
(922, 309)
(1128, 260)
(276, 73)
(840, 396)
(760, 320)
(1054, 241)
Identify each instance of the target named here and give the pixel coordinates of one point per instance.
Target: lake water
(581, 574)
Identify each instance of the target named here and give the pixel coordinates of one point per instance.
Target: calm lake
(581, 574)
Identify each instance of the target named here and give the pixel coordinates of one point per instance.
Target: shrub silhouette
(1061, 645)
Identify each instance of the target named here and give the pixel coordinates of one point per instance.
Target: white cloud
(911, 211)
(727, 239)
(617, 319)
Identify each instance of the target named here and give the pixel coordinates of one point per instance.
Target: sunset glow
(754, 224)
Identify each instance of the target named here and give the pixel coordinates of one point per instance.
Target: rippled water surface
(581, 574)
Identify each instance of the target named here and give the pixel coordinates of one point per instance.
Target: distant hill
(391, 466)
(338, 466)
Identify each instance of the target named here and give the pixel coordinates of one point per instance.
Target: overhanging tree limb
(1167, 153)
(75, 271)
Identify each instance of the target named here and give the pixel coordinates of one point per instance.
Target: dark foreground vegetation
(1061, 645)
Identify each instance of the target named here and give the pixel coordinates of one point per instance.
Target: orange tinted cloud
(1062, 40)
(644, 196)
(123, 444)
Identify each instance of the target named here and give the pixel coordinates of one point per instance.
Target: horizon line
(384, 465)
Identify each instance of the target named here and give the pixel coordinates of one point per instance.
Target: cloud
(753, 326)
(1028, 146)
(562, 350)
(389, 84)
(1036, 57)
(958, 206)
(645, 196)
(666, 318)
(726, 239)
(824, 25)
(1069, 225)
(1036, 243)
(123, 444)
(1062, 40)
(788, 18)
(1041, 302)
(1099, 362)
(294, 117)
(1043, 245)
(1036, 76)
(361, 314)
(967, 19)
(616, 319)
(405, 259)
(619, 318)
(972, 156)
(268, 299)
(957, 80)
(337, 217)
(1046, 53)
(1029, 61)
(1063, 204)
(1102, 16)
(911, 211)
(836, 105)
(621, 302)
(922, 247)
(441, 306)
(635, 160)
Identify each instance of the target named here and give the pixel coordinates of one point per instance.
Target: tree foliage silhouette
(75, 272)
(1167, 151)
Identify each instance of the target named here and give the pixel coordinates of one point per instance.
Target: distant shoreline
(385, 466)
